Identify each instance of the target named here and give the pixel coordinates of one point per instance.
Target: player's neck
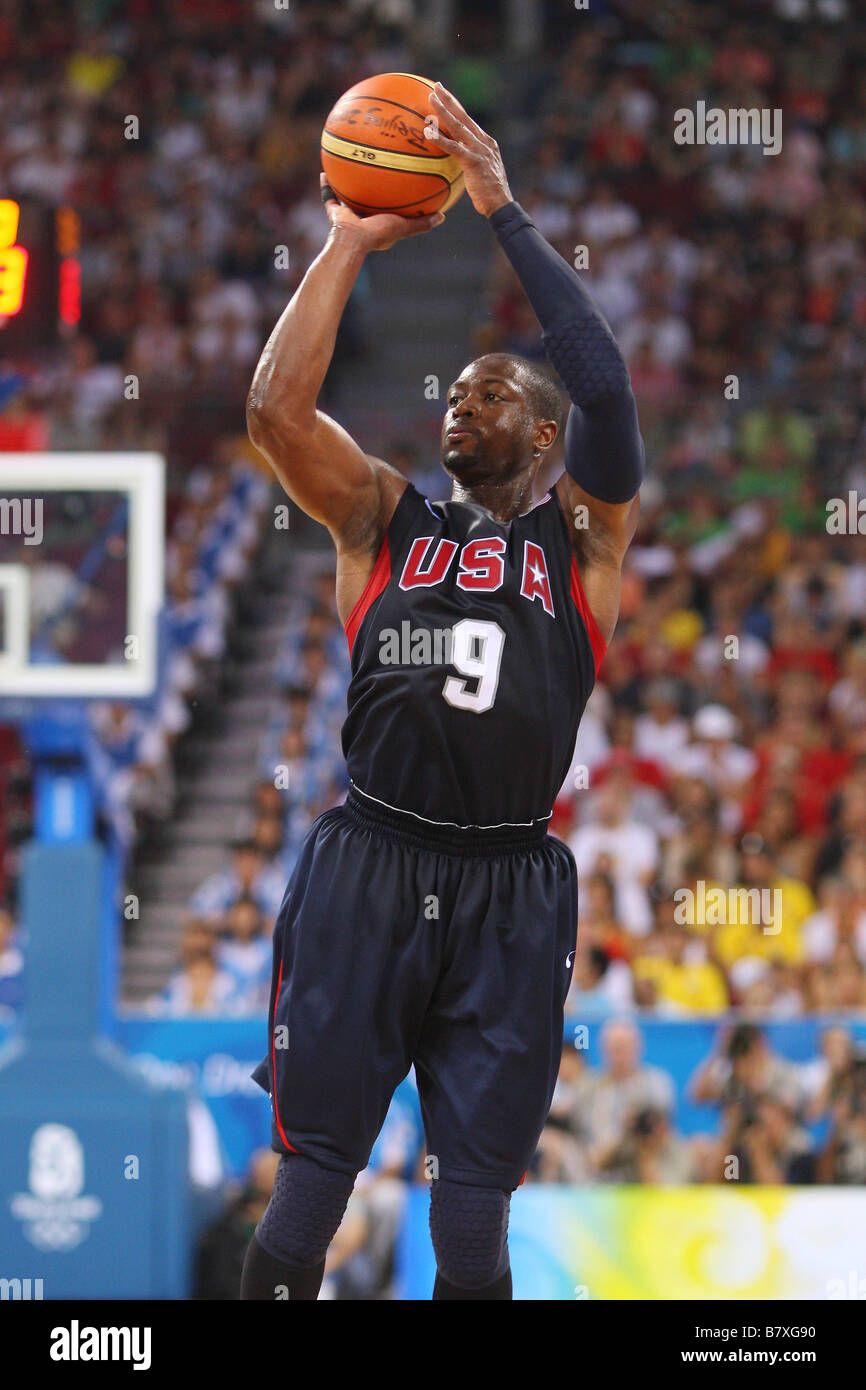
(505, 501)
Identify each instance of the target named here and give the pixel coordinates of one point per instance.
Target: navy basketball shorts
(402, 942)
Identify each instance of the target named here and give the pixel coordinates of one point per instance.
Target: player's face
(487, 433)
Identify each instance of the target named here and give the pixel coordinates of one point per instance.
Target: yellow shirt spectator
(771, 935)
(91, 74)
(697, 987)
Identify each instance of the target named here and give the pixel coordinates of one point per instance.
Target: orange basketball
(376, 156)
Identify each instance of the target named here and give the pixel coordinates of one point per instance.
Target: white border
(15, 585)
(142, 477)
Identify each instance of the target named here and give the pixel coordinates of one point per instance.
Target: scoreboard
(40, 275)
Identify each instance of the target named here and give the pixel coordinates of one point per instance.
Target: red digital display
(40, 276)
(13, 260)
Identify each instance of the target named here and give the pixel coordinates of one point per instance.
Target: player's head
(503, 414)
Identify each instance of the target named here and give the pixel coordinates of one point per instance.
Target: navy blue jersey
(473, 656)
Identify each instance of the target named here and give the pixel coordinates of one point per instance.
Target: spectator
(610, 840)
(245, 952)
(844, 1160)
(686, 981)
(661, 733)
(619, 1089)
(249, 876)
(200, 986)
(562, 1154)
(223, 1245)
(717, 760)
(771, 1148)
(599, 984)
(765, 921)
(649, 1152)
(11, 965)
(745, 1068)
(830, 1075)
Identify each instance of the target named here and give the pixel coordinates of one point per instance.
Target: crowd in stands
(716, 806)
(723, 751)
(217, 527)
(765, 1119)
(775, 1121)
(188, 159)
(226, 949)
(198, 218)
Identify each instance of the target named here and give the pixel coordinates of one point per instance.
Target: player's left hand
(381, 230)
(478, 152)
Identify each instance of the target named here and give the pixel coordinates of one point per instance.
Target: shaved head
(543, 387)
(503, 413)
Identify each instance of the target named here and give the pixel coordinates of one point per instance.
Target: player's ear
(545, 434)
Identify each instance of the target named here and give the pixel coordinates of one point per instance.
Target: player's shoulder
(398, 499)
(391, 482)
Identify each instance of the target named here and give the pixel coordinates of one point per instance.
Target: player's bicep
(321, 468)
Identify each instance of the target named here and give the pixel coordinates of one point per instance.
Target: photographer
(649, 1152)
(830, 1075)
(743, 1069)
(844, 1159)
(223, 1244)
(771, 1147)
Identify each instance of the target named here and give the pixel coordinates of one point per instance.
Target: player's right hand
(380, 230)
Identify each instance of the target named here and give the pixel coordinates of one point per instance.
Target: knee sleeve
(469, 1228)
(305, 1210)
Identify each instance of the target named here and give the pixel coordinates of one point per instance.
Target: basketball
(376, 156)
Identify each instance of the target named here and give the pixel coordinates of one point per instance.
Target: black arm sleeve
(604, 451)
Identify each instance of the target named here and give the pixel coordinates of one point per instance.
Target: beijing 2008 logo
(55, 1214)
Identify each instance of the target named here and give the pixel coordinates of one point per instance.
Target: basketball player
(431, 919)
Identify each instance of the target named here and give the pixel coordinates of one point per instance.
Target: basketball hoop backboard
(81, 573)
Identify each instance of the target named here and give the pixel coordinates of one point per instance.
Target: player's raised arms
(604, 453)
(320, 466)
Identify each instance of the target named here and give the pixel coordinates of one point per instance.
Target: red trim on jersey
(274, 1063)
(377, 582)
(596, 641)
